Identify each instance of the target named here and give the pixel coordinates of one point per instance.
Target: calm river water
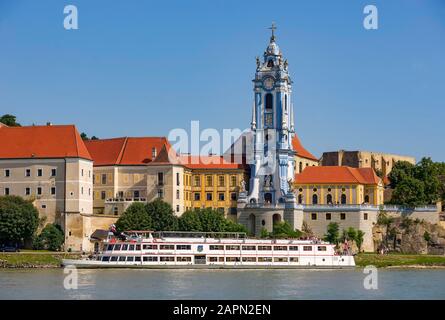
(222, 284)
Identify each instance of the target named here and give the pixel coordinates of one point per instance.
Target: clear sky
(141, 68)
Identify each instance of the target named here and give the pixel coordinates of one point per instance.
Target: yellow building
(338, 185)
(194, 182)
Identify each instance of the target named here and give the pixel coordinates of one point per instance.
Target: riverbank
(34, 259)
(399, 260)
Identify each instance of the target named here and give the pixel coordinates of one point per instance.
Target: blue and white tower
(273, 128)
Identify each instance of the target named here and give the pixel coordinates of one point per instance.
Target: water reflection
(222, 284)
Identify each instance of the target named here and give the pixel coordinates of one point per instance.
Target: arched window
(300, 199)
(270, 63)
(314, 199)
(301, 167)
(343, 199)
(367, 199)
(269, 101)
(268, 197)
(285, 102)
(329, 199)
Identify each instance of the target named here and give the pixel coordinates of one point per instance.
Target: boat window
(138, 247)
(150, 258)
(167, 247)
(183, 247)
(293, 248)
(121, 258)
(130, 259)
(106, 258)
(264, 259)
(232, 259)
(117, 247)
(249, 259)
(137, 259)
(293, 259)
(150, 247)
(280, 259)
(232, 247)
(307, 248)
(249, 247)
(167, 259)
(131, 247)
(321, 248)
(213, 259)
(125, 247)
(184, 259)
(110, 247)
(105, 247)
(265, 248)
(114, 258)
(215, 247)
(280, 248)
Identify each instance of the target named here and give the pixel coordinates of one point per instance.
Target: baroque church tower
(273, 128)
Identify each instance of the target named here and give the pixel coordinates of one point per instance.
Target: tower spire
(273, 28)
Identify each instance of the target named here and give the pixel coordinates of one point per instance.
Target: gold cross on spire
(273, 28)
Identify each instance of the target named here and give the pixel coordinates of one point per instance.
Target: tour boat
(207, 250)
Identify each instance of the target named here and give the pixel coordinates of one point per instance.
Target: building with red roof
(339, 185)
(51, 166)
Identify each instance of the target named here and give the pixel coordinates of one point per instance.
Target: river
(222, 284)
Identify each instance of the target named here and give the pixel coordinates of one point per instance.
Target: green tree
(283, 229)
(19, 219)
(264, 233)
(351, 233)
(232, 226)
(409, 192)
(51, 238)
(136, 217)
(84, 136)
(190, 221)
(332, 233)
(420, 184)
(400, 171)
(162, 216)
(359, 239)
(9, 120)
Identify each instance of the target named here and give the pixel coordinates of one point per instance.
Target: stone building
(380, 162)
(120, 171)
(51, 166)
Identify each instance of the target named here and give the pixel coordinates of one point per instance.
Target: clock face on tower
(268, 83)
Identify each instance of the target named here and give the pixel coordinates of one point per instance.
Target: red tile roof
(301, 151)
(125, 150)
(335, 174)
(208, 162)
(58, 141)
(169, 156)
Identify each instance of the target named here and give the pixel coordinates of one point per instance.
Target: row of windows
(253, 259)
(137, 247)
(264, 248)
(342, 216)
(189, 259)
(209, 196)
(329, 199)
(145, 259)
(39, 172)
(209, 181)
(28, 190)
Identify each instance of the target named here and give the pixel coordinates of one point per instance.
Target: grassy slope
(37, 259)
(365, 259)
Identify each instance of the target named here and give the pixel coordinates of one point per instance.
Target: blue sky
(141, 68)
